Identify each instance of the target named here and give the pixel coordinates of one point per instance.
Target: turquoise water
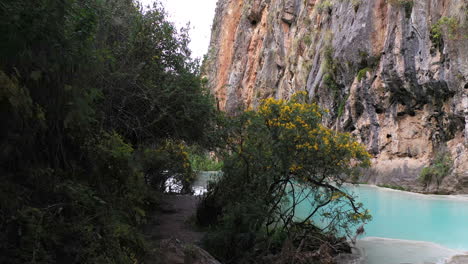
(408, 227)
(408, 216)
(401, 215)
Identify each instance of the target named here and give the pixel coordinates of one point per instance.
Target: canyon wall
(392, 72)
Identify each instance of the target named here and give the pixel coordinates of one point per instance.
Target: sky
(199, 13)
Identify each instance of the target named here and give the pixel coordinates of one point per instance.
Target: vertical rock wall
(392, 72)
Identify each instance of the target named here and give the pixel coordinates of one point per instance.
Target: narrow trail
(174, 219)
(171, 233)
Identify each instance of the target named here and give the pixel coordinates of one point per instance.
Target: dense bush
(96, 99)
(201, 160)
(169, 161)
(279, 158)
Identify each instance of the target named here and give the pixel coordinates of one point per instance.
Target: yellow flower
(295, 167)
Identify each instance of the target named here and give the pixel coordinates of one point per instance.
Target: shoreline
(379, 250)
(455, 197)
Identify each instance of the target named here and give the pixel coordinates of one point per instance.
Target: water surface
(411, 228)
(402, 215)
(405, 227)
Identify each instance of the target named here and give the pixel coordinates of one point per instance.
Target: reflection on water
(198, 186)
(203, 177)
(173, 185)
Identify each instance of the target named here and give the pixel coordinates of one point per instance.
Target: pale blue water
(403, 222)
(408, 216)
(402, 215)
(408, 227)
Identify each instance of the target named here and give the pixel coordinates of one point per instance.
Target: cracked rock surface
(379, 66)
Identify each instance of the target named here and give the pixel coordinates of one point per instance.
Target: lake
(412, 228)
(405, 227)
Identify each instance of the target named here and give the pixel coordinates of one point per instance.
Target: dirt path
(175, 219)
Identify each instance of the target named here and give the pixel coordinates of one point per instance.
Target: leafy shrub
(168, 161)
(278, 157)
(95, 96)
(445, 27)
(438, 170)
(203, 162)
(200, 160)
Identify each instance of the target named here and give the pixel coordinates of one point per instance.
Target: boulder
(172, 251)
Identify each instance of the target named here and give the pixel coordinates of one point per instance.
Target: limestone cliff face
(392, 72)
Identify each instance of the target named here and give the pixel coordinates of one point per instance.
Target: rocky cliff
(392, 72)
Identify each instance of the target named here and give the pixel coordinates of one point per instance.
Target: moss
(362, 73)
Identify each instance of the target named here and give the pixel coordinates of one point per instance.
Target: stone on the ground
(460, 259)
(175, 252)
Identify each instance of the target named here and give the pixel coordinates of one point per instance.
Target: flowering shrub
(279, 158)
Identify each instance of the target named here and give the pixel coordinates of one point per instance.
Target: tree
(280, 158)
(151, 85)
(97, 99)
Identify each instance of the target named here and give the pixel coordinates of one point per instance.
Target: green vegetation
(445, 27)
(438, 170)
(362, 73)
(330, 69)
(367, 64)
(307, 39)
(276, 158)
(98, 99)
(341, 106)
(406, 4)
(200, 160)
(325, 6)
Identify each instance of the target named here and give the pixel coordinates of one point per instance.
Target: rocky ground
(173, 237)
(462, 259)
